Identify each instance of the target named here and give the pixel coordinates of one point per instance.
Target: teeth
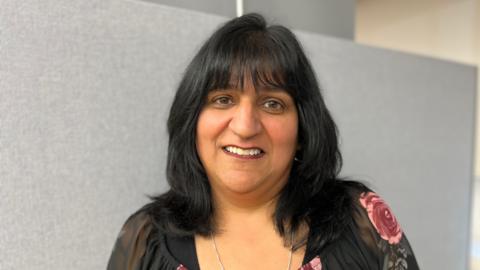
(243, 152)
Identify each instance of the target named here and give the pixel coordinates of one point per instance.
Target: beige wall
(439, 28)
(447, 29)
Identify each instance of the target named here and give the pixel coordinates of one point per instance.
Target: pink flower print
(381, 217)
(181, 267)
(314, 264)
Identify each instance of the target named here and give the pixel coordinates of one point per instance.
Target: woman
(252, 166)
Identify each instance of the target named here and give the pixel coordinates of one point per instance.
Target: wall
(440, 28)
(226, 8)
(406, 125)
(84, 92)
(334, 18)
(443, 29)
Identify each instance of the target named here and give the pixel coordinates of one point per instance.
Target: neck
(248, 229)
(242, 214)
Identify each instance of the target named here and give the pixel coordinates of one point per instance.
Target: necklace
(223, 267)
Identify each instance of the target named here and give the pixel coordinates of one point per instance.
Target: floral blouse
(374, 241)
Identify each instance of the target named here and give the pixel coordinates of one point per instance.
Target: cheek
(284, 134)
(209, 128)
(202, 132)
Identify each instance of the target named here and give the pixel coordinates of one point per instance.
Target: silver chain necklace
(223, 267)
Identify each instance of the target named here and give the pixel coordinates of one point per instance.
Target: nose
(245, 121)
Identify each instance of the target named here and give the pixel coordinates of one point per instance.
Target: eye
(274, 106)
(222, 101)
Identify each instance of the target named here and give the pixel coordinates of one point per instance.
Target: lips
(251, 152)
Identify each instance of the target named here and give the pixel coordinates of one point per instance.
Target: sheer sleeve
(131, 243)
(382, 234)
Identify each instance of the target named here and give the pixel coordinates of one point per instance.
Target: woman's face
(246, 139)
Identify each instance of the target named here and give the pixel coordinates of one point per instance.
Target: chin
(242, 184)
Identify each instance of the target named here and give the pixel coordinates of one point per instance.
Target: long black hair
(269, 55)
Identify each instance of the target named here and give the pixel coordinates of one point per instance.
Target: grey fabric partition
(85, 88)
(407, 128)
(84, 91)
(332, 18)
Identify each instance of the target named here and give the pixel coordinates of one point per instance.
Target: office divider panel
(406, 126)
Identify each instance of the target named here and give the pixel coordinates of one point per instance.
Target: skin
(245, 188)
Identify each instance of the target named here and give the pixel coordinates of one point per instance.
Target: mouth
(245, 153)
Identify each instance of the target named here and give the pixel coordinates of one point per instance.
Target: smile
(245, 153)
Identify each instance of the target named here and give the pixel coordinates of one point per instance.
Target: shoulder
(331, 212)
(352, 227)
(141, 244)
(374, 213)
(380, 231)
(374, 237)
(132, 242)
(138, 226)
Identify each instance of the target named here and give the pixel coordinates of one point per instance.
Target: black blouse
(373, 241)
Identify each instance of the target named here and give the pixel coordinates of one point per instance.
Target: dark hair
(269, 55)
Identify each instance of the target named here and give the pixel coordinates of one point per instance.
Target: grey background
(84, 91)
(407, 128)
(328, 17)
(226, 8)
